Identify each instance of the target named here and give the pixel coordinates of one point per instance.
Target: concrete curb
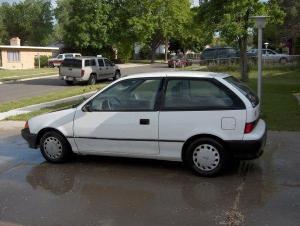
(10, 125)
(28, 79)
(37, 107)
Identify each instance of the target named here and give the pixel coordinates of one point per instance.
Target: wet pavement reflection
(116, 191)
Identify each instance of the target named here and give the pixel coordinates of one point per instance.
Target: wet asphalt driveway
(115, 191)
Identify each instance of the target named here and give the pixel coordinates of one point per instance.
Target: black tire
(69, 83)
(92, 80)
(117, 75)
(51, 139)
(218, 154)
(283, 60)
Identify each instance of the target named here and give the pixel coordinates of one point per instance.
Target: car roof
(186, 74)
(225, 47)
(89, 57)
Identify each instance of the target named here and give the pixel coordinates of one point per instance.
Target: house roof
(29, 47)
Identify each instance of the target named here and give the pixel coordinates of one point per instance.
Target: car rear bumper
(71, 78)
(29, 137)
(247, 149)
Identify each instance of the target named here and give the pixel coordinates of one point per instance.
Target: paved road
(115, 191)
(20, 90)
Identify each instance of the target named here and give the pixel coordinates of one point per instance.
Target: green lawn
(76, 90)
(8, 75)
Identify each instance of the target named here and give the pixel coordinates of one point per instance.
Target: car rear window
(72, 63)
(244, 89)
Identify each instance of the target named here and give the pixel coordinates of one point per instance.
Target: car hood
(61, 120)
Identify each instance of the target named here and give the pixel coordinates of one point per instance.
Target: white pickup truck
(56, 62)
(88, 69)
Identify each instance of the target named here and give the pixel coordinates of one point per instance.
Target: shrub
(43, 61)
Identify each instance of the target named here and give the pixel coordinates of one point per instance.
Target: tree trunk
(166, 49)
(243, 58)
(152, 55)
(155, 43)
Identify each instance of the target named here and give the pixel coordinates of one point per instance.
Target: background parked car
(88, 69)
(56, 62)
(269, 55)
(219, 53)
(179, 61)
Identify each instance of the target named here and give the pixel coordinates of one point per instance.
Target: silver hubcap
(53, 147)
(206, 157)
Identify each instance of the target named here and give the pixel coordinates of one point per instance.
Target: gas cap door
(228, 123)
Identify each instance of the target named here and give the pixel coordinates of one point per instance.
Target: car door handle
(144, 121)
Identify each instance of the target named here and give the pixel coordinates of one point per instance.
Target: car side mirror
(87, 107)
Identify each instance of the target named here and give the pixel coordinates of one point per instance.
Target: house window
(13, 56)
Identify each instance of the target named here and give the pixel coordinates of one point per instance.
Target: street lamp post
(260, 22)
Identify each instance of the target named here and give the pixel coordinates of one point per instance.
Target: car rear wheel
(206, 156)
(92, 80)
(283, 61)
(54, 147)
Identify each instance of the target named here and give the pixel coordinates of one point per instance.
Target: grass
(76, 90)
(8, 75)
(24, 117)
(280, 108)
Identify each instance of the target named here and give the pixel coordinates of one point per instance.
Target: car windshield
(244, 89)
(59, 56)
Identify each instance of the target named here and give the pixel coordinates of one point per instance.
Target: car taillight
(249, 127)
(26, 125)
(82, 73)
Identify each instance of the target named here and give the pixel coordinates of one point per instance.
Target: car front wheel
(206, 156)
(54, 147)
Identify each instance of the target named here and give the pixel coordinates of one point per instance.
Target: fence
(267, 60)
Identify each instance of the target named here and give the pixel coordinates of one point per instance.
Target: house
(15, 56)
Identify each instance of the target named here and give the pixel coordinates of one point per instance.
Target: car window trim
(228, 91)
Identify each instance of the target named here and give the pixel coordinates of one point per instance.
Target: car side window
(270, 52)
(100, 63)
(107, 63)
(87, 63)
(197, 94)
(93, 62)
(127, 95)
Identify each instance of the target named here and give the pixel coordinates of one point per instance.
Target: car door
(120, 120)
(194, 106)
(101, 72)
(109, 69)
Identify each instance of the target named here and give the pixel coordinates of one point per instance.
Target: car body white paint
(117, 129)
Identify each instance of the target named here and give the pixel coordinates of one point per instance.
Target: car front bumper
(29, 137)
(250, 149)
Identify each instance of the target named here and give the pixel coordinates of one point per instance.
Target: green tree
(3, 32)
(232, 19)
(85, 24)
(31, 20)
(289, 29)
(155, 21)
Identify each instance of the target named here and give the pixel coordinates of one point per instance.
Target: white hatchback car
(201, 118)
